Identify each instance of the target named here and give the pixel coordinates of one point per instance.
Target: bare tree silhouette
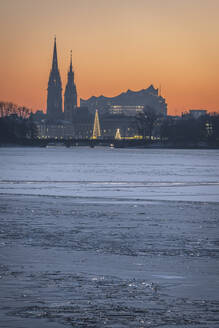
(146, 121)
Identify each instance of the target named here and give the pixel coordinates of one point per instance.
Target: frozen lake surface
(109, 238)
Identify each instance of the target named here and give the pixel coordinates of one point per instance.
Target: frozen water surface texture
(109, 238)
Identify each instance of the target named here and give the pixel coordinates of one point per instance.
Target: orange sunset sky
(116, 44)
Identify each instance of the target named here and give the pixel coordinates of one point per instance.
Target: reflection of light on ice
(168, 276)
(97, 278)
(132, 285)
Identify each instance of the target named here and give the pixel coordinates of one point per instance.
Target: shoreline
(103, 144)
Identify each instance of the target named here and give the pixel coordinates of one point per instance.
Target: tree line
(178, 131)
(16, 123)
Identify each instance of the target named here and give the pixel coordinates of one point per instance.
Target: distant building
(70, 98)
(110, 123)
(83, 123)
(54, 95)
(196, 113)
(144, 97)
(126, 110)
(58, 130)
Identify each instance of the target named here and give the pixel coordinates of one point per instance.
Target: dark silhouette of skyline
(70, 97)
(54, 95)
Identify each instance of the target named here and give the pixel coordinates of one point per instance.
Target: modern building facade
(128, 101)
(125, 110)
(54, 95)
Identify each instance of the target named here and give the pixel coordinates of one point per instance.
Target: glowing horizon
(116, 46)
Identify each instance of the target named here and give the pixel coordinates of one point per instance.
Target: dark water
(109, 238)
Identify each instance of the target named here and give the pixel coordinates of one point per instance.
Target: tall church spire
(54, 96)
(55, 60)
(70, 101)
(71, 61)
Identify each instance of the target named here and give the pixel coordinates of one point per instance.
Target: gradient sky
(117, 45)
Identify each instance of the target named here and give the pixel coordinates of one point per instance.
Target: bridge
(117, 143)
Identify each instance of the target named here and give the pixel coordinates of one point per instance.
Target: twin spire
(54, 96)
(55, 60)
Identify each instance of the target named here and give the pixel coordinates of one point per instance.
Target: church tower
(54, 95)
(70, 101)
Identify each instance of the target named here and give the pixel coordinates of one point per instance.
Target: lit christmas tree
(96, 129)
(118, 135)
